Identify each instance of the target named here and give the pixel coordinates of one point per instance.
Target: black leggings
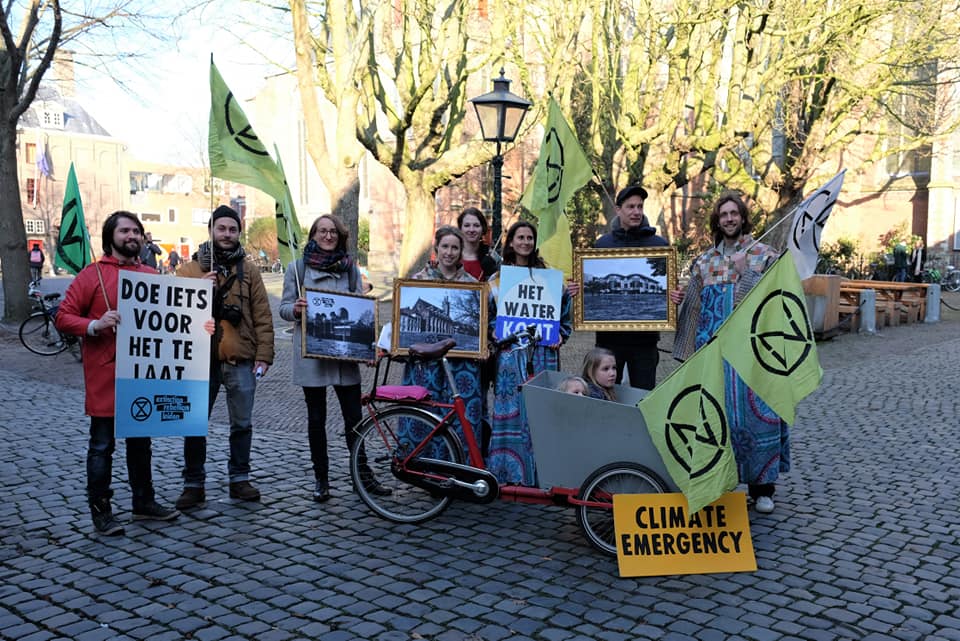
(316, 397)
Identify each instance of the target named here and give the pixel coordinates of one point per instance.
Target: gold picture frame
(338, 325)
(625, 289)
(426, 311)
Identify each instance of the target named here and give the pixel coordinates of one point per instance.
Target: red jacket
(83, 303)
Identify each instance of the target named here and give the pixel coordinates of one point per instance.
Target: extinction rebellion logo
(244, 137)
(771, 348)
(711, 432)
(813, 222)
(554, 163)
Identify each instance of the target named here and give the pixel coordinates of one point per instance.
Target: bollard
(868, 311)
(933, 304)
(816, 309)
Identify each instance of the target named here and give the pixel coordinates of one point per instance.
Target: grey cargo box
(573, 435)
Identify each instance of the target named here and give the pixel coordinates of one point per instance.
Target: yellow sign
(656, 536)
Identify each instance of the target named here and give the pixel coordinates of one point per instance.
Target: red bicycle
(406, 444)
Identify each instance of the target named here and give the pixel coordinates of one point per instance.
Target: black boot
(103, 520)
(321, 492)
(371, 484)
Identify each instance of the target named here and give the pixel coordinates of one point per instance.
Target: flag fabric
(43, 162)
(687, 422)
(808, 220)
(235, 151)
(561, 170)
(73, 244)
(779, 362)
(289, 241)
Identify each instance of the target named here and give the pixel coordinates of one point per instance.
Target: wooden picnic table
(898, 301)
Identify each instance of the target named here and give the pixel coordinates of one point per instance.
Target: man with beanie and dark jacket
(635, 351)
(242, 353)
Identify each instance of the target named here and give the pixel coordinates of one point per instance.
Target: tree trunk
(419, 221)
(345, 205)
(13, 237)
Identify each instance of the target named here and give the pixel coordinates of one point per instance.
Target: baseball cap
(630, 190)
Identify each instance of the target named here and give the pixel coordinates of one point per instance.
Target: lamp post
(500, 114)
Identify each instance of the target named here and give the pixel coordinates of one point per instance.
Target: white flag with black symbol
(808, 220)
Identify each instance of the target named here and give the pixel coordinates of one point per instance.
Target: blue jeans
(100, 464)
(241, 385)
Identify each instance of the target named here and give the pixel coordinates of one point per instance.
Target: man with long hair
(719, 279)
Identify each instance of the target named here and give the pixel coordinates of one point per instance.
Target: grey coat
(315, 372)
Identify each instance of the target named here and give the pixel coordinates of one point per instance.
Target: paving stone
(858, 547)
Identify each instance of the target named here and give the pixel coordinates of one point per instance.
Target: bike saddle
(430, 351)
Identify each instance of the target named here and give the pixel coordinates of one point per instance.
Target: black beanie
(222, 211)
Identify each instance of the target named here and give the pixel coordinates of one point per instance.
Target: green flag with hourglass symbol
(686, 418)
(235, 151)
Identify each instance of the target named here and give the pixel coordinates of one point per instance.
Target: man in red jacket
(90, 310)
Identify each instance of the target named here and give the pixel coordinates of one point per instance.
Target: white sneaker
(764, 505)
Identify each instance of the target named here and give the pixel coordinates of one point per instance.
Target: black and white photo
(339, 325)
(625, 289)
(427, 312)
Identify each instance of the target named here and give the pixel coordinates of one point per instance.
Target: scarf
(335, 262)
(222, 257)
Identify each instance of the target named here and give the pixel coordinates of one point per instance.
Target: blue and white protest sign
(163, 355)
(530, 296)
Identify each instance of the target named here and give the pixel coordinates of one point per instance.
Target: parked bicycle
(405, 443)
(38, 332)
(950, 279)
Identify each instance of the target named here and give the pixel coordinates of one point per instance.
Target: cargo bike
(586, 449)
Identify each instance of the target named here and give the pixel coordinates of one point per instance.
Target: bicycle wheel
(951, 282)
(40, 336)
(379, 442)
(615, 478)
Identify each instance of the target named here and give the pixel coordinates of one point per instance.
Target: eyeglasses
(327, 232)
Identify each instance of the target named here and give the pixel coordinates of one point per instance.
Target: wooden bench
(849, 306)
(906, 302)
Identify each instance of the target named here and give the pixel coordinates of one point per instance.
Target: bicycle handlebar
(529, 332)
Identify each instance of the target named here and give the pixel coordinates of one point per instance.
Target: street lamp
(500, 114)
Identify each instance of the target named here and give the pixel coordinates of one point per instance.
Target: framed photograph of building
(625, 289)
(427, 311)
(339, 325)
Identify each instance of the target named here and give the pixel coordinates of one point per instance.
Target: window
(52, 119)
(149, 218)
(34, 226)
(171, 215)
(138, 181)
(200, 216)
(177, 184)
(31, 188)
(30, 153)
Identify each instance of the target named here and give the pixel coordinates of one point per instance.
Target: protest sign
(163, 355)
(657, 536)
(530, 297)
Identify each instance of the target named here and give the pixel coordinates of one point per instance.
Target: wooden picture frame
(339, 325)
(426, 311)
(625, 289)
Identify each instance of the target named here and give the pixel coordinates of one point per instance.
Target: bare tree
(98, 35)
(760, 96)
(396, 74)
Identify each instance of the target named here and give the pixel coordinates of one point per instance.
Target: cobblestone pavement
(863, 544)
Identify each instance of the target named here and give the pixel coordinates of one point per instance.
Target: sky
(164, 112)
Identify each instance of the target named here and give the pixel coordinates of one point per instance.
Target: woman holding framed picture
(510, 457)
(448, 246)
(325, 265)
